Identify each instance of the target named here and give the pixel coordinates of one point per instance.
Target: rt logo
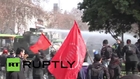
(13, 64)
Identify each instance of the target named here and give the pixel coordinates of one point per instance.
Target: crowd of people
(24, 73)
(107, 65)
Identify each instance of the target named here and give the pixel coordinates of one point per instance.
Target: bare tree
(62, 21)
(77, 15)
(19, 12)
(65, 20)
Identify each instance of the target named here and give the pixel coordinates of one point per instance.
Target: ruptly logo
(13, 64)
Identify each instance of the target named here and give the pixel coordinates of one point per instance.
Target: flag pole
(89, 56)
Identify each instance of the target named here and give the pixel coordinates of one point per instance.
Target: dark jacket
(103, 52)
(3, 59)
(116, 71)
(89, 72)
(138, 46)
(37, 72)
(118, 49)
(16, 75)
(106, 73)
(132, 57)
(138, 66)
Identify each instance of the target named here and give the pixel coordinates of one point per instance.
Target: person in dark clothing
(3, 58)
(83, 71)
(138, 46)
(131, 77)
(130, 51)
(20, 52)
(38, 73)
(118, 48)
(114, 67)
(106, 53)
(27, 70)
(138, 67)
(20, 74)
(120, 59)
(53, 52)
(8, 73)
(97, 69)
(12, 54)
(88, 76)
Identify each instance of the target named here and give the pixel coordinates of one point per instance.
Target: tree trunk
(122, 36)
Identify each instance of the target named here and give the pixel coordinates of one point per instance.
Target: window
(34, 39)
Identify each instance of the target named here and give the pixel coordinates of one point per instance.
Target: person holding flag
(72, 49)
(42, 44)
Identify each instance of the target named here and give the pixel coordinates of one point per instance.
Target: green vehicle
(6, 40)
(8, 36)
(57, 41)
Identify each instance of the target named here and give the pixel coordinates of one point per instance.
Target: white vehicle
(94, 40)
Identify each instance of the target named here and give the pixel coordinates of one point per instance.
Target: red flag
(73, 49)
(42, 44)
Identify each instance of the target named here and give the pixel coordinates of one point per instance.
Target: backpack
(130, 49)
(113, 72)
(97, 73)
(107, 52)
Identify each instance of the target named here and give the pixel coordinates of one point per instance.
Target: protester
(97, 69)
(83, 71)
(106, 53)
(138, 43)
(114, 67)
(118, 47)
(89, 72)
(17, 74)
(3, 59)
(53, 51)
(138, 67)
(38, 73)
(138, 46)
(43, 57)
(12, 54)
(27, 70)
(131, 58)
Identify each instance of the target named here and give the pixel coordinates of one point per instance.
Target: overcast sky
(63, 4)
